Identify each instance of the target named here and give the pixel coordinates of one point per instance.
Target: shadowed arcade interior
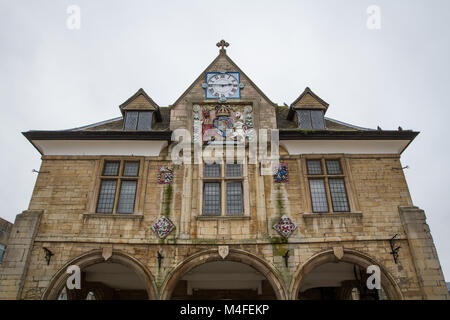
(338, 281)
(107, 281)
(223, 280)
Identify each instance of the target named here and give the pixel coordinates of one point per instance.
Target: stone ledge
(354, 214)
(113, 216)
(222, 217)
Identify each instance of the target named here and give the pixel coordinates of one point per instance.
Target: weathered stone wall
(5, 230)
(17, 260)
(65, 192)
(423, 253)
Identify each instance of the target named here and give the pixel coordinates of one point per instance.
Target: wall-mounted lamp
(48, 255)
(394, 250)
(160, 257)
(286, 258)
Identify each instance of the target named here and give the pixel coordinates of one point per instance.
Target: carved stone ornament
(223, 251)
(285, 226)
(107, 253)
(162, 227)
(165, 175)
(338, 252)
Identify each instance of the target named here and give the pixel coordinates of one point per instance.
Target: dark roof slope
(117, 123)
(334, 125)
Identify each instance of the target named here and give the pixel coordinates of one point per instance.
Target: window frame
(310, 118)
(119, 178)
(326, 177)
(223, 181)
(138, 119)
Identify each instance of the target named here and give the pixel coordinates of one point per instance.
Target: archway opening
(338, 281)
(228, 280)
(107, 281)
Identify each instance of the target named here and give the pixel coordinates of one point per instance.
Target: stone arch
(351, 256)
(211, 255)
(94, 257)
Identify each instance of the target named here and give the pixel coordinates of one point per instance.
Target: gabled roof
(297, 103)
(152, 103)
(223, 54)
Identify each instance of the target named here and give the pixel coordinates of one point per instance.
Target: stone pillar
(15, 264)
(423, 252)
(186, 202)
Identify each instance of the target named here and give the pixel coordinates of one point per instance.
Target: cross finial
(222, 43)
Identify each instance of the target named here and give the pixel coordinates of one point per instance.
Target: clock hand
(219, 84)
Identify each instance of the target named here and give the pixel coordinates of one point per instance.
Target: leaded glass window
(333, 167)
(234, 198)
(126, 197)
(327, 189)
(311, 119)
(314, 167)
(223, 189)
(118, 187)
(131, 169)
(111, 168)
(106, 196)
(211, 199)
(304, 119)
(317, 119)
(211, 170)
(145, 120)
(318, 195)
(138, 120)
(131, 120)
(233, 170)
(338, 195)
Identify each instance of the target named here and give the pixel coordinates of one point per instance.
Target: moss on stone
(168, 193)
(279, 249)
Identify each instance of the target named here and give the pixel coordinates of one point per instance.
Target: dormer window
(138, 120)
(310, 119)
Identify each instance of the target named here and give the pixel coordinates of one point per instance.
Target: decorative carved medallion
(223, 251)
(162, 227)
(285, 226)
(165, 175)
(280, 173)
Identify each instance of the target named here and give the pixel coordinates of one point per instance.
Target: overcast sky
(52, 77)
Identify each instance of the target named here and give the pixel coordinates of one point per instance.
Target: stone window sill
(113, 216)
(222, 218)
(354, 214)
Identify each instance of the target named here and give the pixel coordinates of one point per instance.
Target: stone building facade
(110, 199)
(5, 230)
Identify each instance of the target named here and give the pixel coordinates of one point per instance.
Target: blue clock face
(223, 85)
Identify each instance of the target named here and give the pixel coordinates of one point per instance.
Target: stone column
(186, 202)
(423, 252)
(14, 268)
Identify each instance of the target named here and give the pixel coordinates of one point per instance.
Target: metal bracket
(394, 250)
(160, 257)
(286, 258)
(48, 255)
